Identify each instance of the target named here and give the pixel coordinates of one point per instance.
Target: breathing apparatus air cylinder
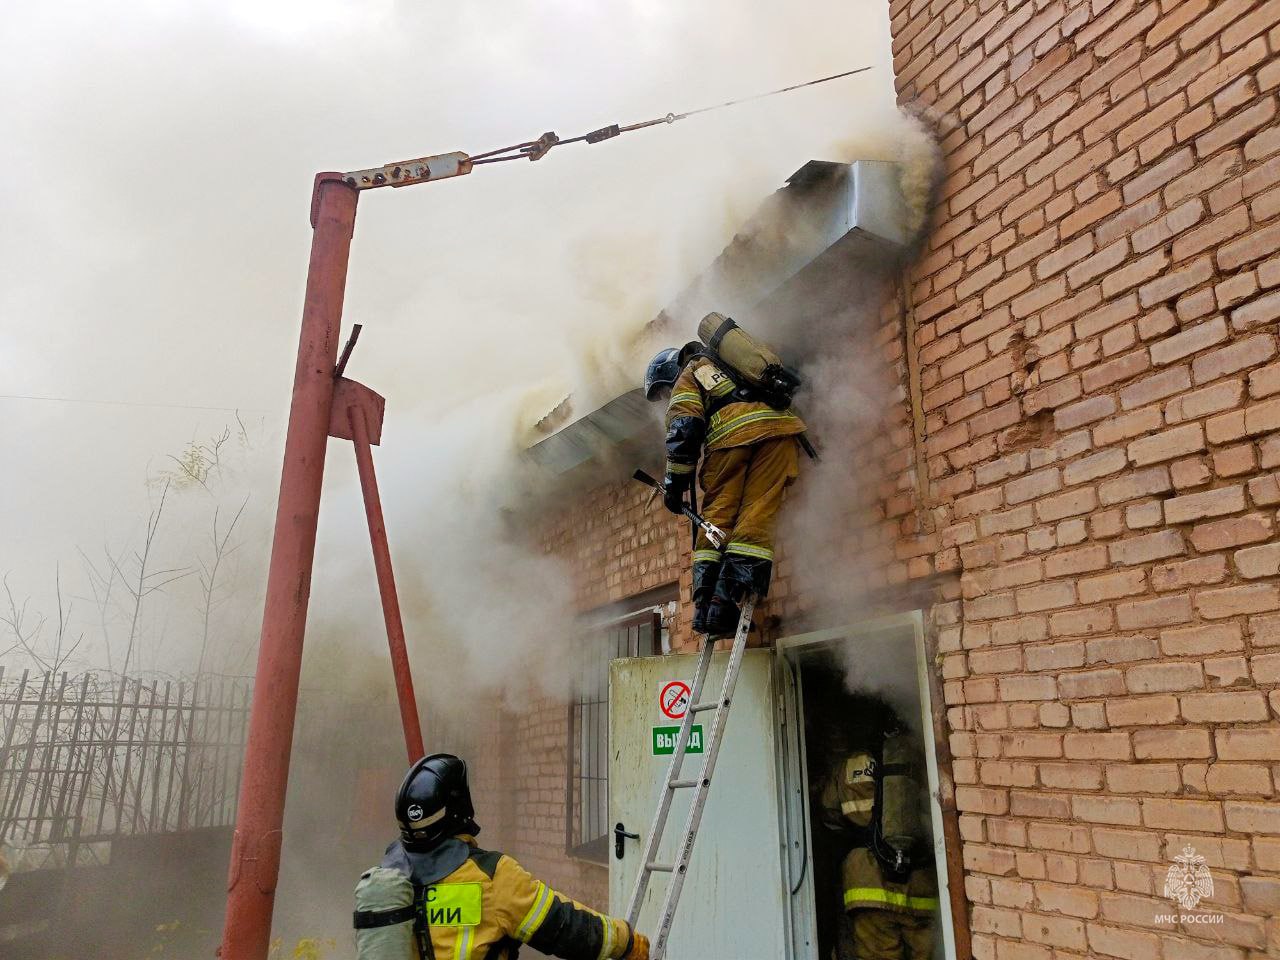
(752, 361)
(899, 828)
(384, 918)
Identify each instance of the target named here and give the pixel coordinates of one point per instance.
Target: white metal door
(733, 906)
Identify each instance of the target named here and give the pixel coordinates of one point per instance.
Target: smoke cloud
(156, 257)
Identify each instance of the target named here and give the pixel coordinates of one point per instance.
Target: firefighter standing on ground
(438, 896)
(751, 455)
(873, 797)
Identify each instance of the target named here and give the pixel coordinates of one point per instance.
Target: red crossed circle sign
(674, 699)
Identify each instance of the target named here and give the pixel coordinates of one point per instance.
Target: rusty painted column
(387, 587)
(255, 851)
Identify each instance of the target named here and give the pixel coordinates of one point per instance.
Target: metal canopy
(798, 256)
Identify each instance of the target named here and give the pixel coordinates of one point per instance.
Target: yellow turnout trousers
(742, 492)
(885, 935)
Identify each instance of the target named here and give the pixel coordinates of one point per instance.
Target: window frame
(654, 615)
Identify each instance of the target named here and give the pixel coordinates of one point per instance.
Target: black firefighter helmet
(434, 801)
(664, 369)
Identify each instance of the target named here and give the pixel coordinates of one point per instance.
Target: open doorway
(869, 774)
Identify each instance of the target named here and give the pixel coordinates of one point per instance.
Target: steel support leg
(255, 851)
(387, 587)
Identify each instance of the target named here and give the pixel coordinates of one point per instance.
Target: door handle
(620, 835)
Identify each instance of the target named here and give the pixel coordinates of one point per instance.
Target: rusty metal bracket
(348, 394)
(408, 172)
(341, 368)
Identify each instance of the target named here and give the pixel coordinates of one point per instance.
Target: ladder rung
(677, 784)
(704, 707)
(660, 867)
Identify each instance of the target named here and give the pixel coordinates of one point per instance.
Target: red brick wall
(1097, 306)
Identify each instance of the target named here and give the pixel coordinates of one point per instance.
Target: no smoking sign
(673, 699)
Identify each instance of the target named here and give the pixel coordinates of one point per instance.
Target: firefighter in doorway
(750, 454)
(874, 799)
(438, 896)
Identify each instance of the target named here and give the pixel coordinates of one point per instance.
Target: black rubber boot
(724, 613)
(722, 619)
(706, 573)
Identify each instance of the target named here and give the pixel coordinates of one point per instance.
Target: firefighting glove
(639, 948)
(674, 487)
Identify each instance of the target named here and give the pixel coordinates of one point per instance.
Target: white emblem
(414, 812)
(1188, 880)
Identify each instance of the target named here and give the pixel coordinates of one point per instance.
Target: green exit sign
(664, 740)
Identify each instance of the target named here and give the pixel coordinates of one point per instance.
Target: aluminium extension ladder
(700, 785)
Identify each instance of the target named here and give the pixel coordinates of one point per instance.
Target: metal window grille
(635, 635)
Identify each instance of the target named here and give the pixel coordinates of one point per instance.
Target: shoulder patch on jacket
(486, 860)
(859, 768)
(709, 376)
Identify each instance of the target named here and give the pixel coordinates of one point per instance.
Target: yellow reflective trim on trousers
(706, 556)
(537, 913)
(720, 431)
(749, 550)
(679, 467)
(606, 941)
(891, 897)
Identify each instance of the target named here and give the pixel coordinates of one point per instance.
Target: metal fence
(89, 758)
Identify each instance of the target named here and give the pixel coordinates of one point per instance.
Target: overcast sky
(158, 159)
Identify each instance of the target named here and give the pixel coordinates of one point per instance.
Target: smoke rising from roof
(157, 249)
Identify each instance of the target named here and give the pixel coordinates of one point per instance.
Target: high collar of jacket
(432, 865)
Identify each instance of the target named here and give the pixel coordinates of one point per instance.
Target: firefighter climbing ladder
(700, 784)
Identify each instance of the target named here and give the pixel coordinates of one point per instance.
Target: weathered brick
(1248, 744)
(1141, 711)
(1110, 586)
(1143, 777)
(1223, 534)
(1191, 341)
(1120, 649)
(1164, 677)
(1033, 486)
(1233, 601)
(1189, 573)
(1201, 640)
(1134, 484)
(1096, 746)
(1237, 356)
(1167, 445)
(1155, 387)
(1224, 707)
(1144, 549)
(1101, 464)
(1210, 503)
(1261, 561)
(1197, 815)
(1174, 743)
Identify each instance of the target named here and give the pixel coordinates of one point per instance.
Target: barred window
(637, 634)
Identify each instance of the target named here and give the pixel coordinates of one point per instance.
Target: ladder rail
(698, 806)
(657, 828)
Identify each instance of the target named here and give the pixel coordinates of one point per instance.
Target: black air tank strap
(368, 919)
(720, 333)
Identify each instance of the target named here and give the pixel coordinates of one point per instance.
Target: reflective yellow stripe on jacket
(537, 913)
(876, 895)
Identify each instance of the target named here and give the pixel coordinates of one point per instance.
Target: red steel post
(255, 851)
(386, 586)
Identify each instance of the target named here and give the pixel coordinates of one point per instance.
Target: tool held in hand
(714, 533)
